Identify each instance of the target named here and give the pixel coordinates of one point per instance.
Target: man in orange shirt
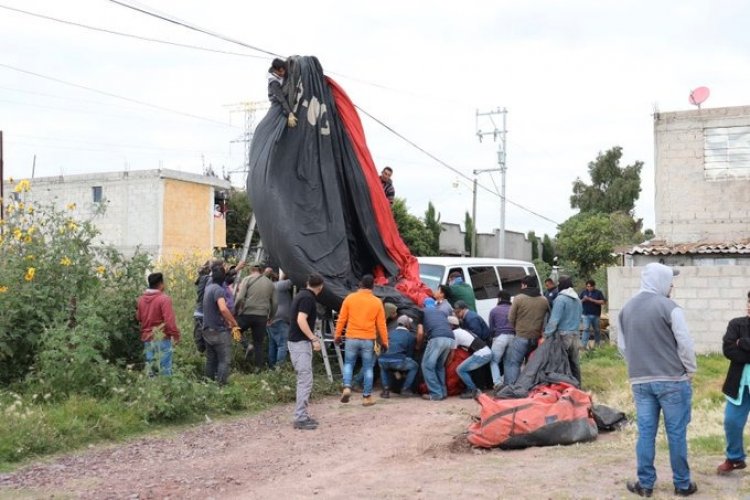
(363, 316)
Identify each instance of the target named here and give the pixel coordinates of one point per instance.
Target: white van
(486, 276)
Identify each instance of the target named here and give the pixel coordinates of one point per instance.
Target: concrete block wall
(710, 296)
(516, 244)
(691, 204)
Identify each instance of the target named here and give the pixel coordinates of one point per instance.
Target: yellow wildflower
(3, 289)
(22, 186)
(30, 257)
(27, 239)
(65, 261)
(30, 210)
(31, 229)
(30, 272)
(71, 206)
(17, 234)
(72, 226)
(100, 270)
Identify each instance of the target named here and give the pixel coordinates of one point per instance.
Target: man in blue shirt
(472, 321)
(439, 344)
(591, 300)
(399, 358)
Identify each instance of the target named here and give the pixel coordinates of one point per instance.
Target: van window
(510, 278)
(431, 275)
(484, 282)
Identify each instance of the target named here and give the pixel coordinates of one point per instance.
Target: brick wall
(690, 205)
(710, 296)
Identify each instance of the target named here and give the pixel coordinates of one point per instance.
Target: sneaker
(467, 394)
(368, 401)
(728, 466)
(346, 394)
(686, 492)
(248, 351)
(306, 425)
(635, 487)
(386, 394)
(427, 397)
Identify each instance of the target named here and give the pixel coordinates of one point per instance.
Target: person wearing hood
(736, 347)
(527, 316)
(276, 77)
(460, 290)
(564, 320)
(155, 312)
(657, 347)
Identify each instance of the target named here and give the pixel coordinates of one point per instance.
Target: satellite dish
(699, 96)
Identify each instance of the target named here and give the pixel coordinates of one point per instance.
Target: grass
(35, 426)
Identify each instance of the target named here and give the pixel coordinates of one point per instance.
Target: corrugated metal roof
(656, 247)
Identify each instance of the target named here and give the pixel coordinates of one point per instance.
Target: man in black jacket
(737, 390)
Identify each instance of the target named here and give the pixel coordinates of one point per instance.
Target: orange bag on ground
(552, 414)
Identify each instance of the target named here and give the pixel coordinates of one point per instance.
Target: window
(726, 152)
(484, 282)
(510, 278)
(431, 275)
(96, 192)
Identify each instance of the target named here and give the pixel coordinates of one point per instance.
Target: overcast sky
(577, 77)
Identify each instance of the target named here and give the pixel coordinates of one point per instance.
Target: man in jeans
(527, 315)
(302, 342)
(399, 357)
(217, 319)
(480, 356)
(363, 316)
(591, 300)
(278, 330)
(437, 330)
(656, 344)
(736, 347)
(155, 311)
(502, 336)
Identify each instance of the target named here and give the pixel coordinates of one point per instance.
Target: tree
(469, 224)
(587, 239)
(432, 223)
(531, 236)
(648, 234)
(413, 231)
(238, 217)
(612, 189)
(548, 251)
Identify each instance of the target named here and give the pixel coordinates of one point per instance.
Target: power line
(453, 169)
(115, 96)
(128, 35)
(193, 27)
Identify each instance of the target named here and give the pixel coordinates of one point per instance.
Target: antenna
(699, 96)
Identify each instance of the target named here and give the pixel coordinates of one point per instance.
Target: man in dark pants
(255, 306)
(217, 320)
(736, 346)
(302, 343)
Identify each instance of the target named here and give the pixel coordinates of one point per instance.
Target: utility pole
(248, 108)
(474, 219)
(497, 132)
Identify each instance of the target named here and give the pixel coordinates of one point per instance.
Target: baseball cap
(404, 320)
(429, 303)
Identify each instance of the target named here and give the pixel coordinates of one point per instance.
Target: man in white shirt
(480, 356)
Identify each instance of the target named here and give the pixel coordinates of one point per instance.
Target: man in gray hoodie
(656, 344)
(564, 320)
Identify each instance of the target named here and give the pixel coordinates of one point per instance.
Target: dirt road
(396, 449)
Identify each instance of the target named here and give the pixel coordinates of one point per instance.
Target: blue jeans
(407, 365)
(218, 354)
(674, 400)
(591, 321)
(363, 349)
(735, 418)
(500, 352)
(433, 366)
(278, 336)
(158, 351)
(519, 349)
(476, 360)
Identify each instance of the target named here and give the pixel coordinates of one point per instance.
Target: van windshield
(431, 275)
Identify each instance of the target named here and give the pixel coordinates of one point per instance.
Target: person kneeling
(399, 358)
